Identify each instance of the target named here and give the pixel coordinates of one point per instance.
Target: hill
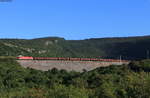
(127, 47)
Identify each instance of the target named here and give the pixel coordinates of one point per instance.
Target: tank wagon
(70, 59)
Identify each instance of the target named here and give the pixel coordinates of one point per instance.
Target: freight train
(69, 59)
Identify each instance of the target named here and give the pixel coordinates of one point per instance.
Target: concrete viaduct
(78, 66)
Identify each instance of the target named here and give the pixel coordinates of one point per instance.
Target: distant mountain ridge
(127, 47)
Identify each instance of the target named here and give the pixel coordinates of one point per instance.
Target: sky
(74, 19)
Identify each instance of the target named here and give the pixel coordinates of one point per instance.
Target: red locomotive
(25, 58)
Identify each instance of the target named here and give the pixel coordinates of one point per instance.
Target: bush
(140, 65)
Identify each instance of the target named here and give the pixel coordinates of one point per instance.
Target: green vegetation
(129, 47)
(127, 81)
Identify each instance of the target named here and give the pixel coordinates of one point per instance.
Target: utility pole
(120, 59)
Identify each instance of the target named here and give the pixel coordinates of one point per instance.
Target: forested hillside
(127, 47)
(126, 81)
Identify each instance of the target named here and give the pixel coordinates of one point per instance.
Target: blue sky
(74, 19)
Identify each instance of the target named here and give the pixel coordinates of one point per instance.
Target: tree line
(126, 81)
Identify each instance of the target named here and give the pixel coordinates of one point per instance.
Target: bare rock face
(51, 42)
(78, 66)
(48, 43)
